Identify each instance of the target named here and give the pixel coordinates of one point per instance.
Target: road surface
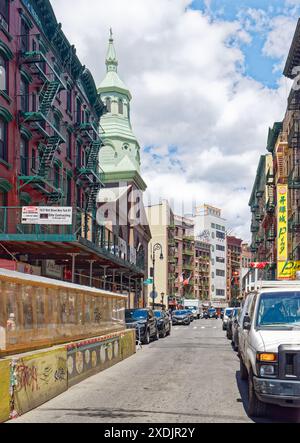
(190, 377)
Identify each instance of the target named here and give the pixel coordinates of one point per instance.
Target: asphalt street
(190, 377)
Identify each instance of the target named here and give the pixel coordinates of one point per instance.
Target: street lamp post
(156, 247)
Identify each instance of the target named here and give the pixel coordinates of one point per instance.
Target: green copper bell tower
(120, 155)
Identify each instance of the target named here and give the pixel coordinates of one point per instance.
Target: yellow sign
(282, 223)
(287, 270)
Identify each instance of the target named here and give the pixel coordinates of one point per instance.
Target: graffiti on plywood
(38, 378)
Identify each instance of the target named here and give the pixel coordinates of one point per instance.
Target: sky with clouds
(206, 79)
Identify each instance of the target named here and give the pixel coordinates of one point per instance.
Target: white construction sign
(42, 215)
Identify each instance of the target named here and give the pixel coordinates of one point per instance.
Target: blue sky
(257, 65)
(206, 88)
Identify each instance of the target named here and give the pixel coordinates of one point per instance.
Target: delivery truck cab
(269, 346)
(194, 306)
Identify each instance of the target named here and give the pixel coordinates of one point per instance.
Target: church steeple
(120, 155)
(111, 56)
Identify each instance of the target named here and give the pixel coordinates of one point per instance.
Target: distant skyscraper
(209, 225)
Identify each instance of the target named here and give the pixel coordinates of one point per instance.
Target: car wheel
(146, 340)
(169, 331)
(156, 337)
(256, 408)
(243, 370)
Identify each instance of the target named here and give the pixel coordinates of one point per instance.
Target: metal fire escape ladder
(93, 155)
(47, 157)
(92, 196)
(48, 95)
(38, 121)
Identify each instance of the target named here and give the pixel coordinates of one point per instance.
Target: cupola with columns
(120, 155)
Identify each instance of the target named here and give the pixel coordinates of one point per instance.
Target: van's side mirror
(247, 323)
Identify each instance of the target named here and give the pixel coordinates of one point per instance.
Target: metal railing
(84, 226)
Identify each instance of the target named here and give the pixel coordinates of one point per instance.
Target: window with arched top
(120, 106)
(108, 104)
(3, 74)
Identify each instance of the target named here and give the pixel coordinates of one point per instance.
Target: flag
(187, 281)
(261, 265)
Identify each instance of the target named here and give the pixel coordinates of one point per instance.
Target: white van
(194, 306)
(269, 346)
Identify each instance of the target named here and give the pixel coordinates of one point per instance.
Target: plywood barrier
(128, 343)
(37, 378)
(89, 357)
(30, 380)
(4, 390)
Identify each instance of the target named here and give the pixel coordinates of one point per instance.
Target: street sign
(154, 295)
(148, 282)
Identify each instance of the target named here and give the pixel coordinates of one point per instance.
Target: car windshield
(212, 311)
(228, 312)
(281, 309)
(136, 314)
(158, 314)
(180, 312)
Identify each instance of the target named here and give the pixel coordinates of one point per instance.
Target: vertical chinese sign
(282, 223)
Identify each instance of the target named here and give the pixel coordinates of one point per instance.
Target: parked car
(227, 312)
(181, 318)
(269, 346)
(212, 313)
(235, 331)
(191, 314)
(231, 321)
(144, 322)
(163, 323)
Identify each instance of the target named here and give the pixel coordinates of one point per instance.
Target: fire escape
(39, 122)
(294, 177)
(91, 174)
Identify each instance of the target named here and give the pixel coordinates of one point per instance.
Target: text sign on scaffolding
(42, 215)
(282, 223)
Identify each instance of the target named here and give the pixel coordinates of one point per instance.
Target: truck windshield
(281, 309)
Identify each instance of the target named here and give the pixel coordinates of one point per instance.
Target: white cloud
(280, 36)
(186, 75)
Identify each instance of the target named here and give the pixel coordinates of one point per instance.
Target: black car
(144, 322)
(163, 323)
(181, 318)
